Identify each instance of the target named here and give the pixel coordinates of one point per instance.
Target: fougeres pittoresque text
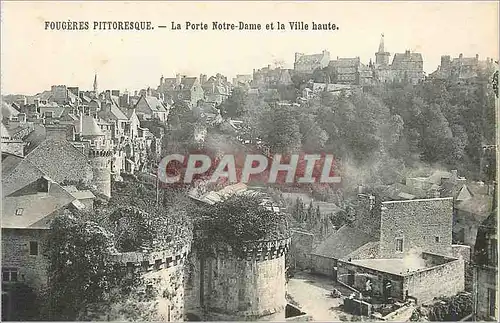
(249, 161)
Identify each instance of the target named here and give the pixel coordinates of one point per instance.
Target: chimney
(361, 189)
(407, 52)
(56, 131)
(477, 57)
(135, 93)
(177, 79)
(461, 56)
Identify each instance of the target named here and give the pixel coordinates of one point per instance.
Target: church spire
(381, 48)
(95, 83)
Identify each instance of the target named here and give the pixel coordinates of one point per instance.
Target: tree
(236, 104)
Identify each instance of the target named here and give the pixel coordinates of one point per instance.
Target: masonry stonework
(442, 280)
(423, 224)
(31, 269)
(231, 287)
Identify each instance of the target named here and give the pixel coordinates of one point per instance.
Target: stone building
(26, 215)
(485, 290)
(309, 63)
(405, 67)
(182, 88)
(402, 247)
(460, 68)
(349, 71)
(268, 77)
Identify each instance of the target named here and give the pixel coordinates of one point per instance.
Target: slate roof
(9, 162)
(90, 127)
(154, 104)
(8, 110)
(400, 58)
(342, 242)
(345, 62)
(31, 210)
(308, 59)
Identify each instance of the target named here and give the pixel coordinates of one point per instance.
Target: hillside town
(409, 234)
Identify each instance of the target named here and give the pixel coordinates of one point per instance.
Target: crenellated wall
(161, 298)
(247, 286)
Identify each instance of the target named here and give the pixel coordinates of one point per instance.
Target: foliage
(236, 221)
(80, 270)
(84, 279)
(451, 308)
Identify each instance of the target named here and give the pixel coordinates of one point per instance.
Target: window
(33, 248)
(436, 238)
(9, 275)
(399, 244)
(19, 212)
(492, 302)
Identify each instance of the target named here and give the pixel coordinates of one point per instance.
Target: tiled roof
(342, 242)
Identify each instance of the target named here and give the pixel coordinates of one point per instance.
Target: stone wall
(465, 253)
(377, 278)
(163, 274)
(424, 225)
(442, 280)
(323, 265)
(32, 269)
(300, 249)
(230, 287)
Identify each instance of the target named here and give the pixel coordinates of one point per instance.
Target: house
(182, 88)
(26, 216)
(269, 77)
(309, 63)
(242, 80)
(216, 89)
(150, 107)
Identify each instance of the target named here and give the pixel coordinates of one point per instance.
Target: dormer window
(19, 212)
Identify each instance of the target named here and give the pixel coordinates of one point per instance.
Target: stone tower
(100, 160)
(231, 287)
(382, 57)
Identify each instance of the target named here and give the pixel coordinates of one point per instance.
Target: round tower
(100, 160)
(248, 286)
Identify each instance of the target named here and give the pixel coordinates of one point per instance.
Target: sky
(33, 59)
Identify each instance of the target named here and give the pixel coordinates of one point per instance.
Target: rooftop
(392, 266)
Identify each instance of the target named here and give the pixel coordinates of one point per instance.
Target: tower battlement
(257, 250)
(147, 261)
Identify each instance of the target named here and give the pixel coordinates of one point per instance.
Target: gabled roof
(342, 242)
(400, 58)
(309, 59)
(32, 210)
(464, 194)
(345, 62)
(154, 104)
(9, 162)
